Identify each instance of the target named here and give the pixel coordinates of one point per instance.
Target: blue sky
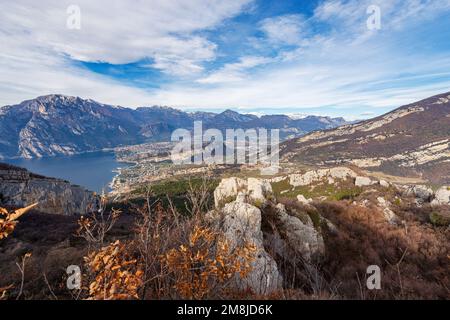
(290, 56)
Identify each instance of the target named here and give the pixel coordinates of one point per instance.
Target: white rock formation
(240, 223)
(258, 189)
(277, 179)
(390, 216)
(363, 181)
(228, 188)
(301, 198)
(421, 192)
(442, 196)
(384, 183)
(317, 176)
(304, 239)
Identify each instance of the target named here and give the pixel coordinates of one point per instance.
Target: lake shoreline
(94, 170)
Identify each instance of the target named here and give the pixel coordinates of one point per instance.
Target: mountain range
(413, 140)
(54, 125)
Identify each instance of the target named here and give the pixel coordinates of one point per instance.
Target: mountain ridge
(413, 139)
(56, 124)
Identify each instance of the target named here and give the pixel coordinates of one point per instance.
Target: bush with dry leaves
(205, 266)
(7, 225)
(94, 226)
(115, 274)
(170, 256)
(9, 220)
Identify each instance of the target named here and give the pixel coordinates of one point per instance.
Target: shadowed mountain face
(61, 125)
(53, 125)
(413, 139)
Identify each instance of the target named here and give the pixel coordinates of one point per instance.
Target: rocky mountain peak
(236, 116)
(56, 124)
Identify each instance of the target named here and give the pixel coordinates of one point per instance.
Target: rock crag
(19, 187)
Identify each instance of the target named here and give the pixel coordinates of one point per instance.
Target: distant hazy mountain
(62, 125)
(413, 139)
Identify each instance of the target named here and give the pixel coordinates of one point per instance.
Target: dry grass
(167, 256)
(154, 252)
(413, 256)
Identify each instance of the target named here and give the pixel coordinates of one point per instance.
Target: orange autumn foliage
(7, 225)
(9, 220)
(116, 275)
(205, 262)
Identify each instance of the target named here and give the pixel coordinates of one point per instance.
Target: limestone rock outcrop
(363, 181)
(389, 215)
(421, 192)
(310, 177)
(240, 223)
(442, 196)
(303, 238)
(301, 198)
(258, 189)
(384, 184)
(229, 188)
(19, 187)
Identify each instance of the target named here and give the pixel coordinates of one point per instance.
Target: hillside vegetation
(147, 249)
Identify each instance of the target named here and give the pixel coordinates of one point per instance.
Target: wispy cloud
(286, 29)
(233, 72)
(122, 32)
(326, 60)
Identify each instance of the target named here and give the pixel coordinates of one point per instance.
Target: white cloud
(286, 29)
(346, 66)
(349, 66)
(234, 72)
(120, 31)
(342, 15)
(36, 44)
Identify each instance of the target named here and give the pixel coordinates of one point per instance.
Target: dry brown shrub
(7, 226)
(94, 227)
(4, 291)
(115, 274)
(170, 257)
(413, 256)
(203, 267)
(8, 223)
(156, 231)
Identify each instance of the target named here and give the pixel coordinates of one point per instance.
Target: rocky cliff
(293, 220)
(246, 212)
(19, 187)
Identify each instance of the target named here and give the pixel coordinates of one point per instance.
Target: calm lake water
(93, 171)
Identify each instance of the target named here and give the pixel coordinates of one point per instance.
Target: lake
(93, 171)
